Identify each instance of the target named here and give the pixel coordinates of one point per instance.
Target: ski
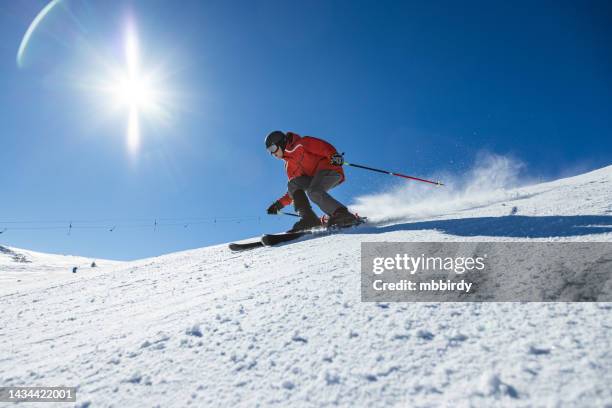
(268, 240)
(245, 246)
(280, 238)
(275, 239)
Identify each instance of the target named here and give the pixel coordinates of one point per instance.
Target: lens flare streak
(35, 23)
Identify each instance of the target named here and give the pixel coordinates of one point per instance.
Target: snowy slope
(285, 326)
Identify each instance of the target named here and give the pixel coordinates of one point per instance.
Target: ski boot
(342, 218)
(302, 207)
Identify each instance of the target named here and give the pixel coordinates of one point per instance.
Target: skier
(313, 167)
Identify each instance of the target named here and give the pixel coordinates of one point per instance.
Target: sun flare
(135, 92)
(134, 89)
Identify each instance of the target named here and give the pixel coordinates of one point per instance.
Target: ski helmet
(276, 138)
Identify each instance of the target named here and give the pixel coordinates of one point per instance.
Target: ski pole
(436, 183)
(288, 213)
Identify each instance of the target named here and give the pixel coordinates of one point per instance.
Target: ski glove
(337, 159)
(275, 208)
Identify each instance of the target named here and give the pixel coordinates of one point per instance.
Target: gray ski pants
(316, 188)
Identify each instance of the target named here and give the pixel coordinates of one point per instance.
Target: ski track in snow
(285, 326)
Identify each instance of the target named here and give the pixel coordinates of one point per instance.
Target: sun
(129, 86)
(135, 91)
(138, 96)
(133, 88)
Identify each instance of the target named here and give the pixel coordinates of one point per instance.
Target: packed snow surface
(285, 326)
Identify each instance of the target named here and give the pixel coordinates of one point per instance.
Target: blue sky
(415, 87)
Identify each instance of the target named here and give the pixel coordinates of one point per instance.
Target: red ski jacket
(306, 156)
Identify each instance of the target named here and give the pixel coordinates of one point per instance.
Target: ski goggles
(272, 148)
